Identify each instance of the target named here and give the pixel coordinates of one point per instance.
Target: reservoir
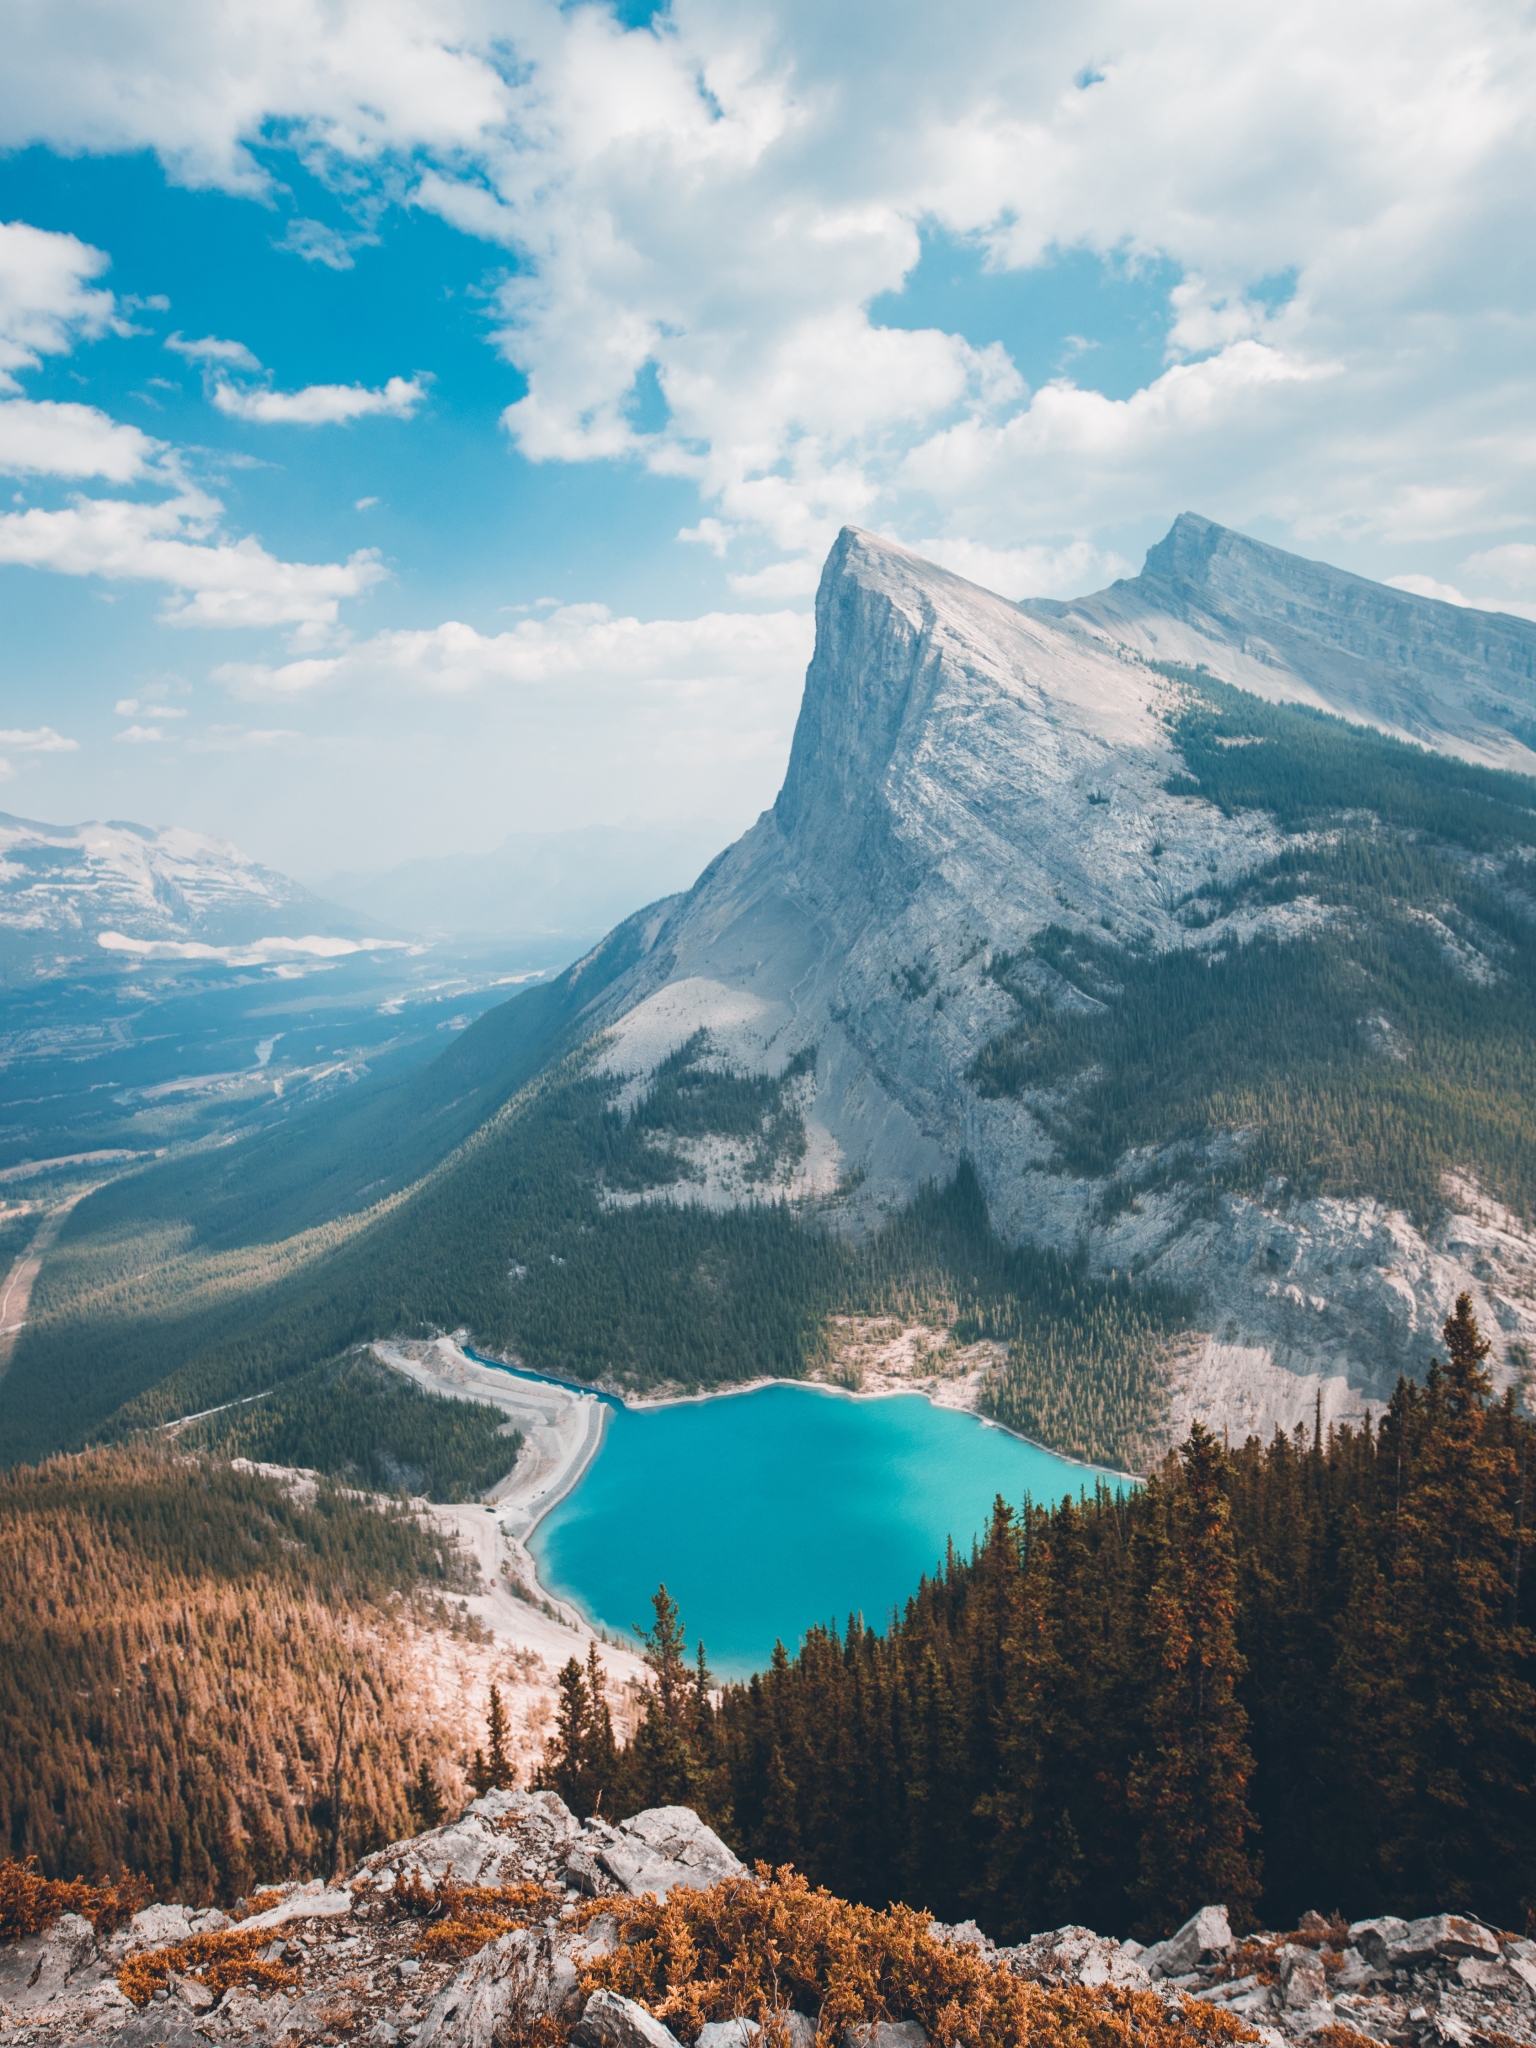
(767, 1512)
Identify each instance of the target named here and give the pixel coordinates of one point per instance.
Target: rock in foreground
(493, 1930)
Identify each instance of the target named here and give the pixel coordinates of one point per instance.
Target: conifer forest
(1275, 1675)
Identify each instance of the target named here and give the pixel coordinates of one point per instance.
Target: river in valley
(767, 1512)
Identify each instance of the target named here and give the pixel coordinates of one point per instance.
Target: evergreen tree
(494, 1770)
(424, 1799)
(1190, 1782)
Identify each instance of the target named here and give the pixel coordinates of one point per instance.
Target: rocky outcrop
(364, 1975)
(1446, 1979)
(1295, 630)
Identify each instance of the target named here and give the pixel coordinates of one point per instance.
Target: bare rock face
(965, 772)
(653, 1851)
(610, 2021)
(521, 1977)
(1076, 1955)
(500, 1839)
(1440, 1982)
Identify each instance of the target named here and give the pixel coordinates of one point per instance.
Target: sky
(425, 420)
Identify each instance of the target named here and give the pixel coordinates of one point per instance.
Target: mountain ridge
(1293, 629)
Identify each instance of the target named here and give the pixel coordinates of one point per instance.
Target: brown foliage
(172, 1637)
(30, 1903)
(465, 1917)
(766, 1948)
(215, 1960)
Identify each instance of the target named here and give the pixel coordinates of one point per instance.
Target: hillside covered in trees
(201, 1679)
(1275, 1675)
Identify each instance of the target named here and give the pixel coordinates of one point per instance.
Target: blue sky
(426, 421)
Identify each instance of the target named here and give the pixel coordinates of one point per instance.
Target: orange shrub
(30, 1903)
(763, 1948)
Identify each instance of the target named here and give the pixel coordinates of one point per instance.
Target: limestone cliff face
(1288, 628)
(965, 772)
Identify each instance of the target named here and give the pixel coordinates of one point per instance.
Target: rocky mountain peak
(1300, 631)
(973, 781)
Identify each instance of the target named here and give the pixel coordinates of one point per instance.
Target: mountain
(1301, 632)
(78, 897)
(581, 882)
(1132, 1028)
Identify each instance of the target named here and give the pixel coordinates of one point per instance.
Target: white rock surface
(966, 771)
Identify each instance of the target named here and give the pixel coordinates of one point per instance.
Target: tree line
(1292, 1674)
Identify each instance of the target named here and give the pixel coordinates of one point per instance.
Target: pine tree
(424, 1799)
(497, 1767)
(1470, 1673)
(600, 1753)
(563, 1769)
(1190, 1783)
(665, 1650)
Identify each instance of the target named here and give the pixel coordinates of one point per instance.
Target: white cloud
(213, 582)
(321, 404)
(257, 953)
(235, 739)
(42, 740)
(317, 243)
(47, 302)
(712, 207)
(141, 736)
(41, 438)
(578, 644)
(1043, 571)
(1497, 601)
(231, 355)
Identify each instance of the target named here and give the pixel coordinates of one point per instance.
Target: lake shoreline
(645, 1403)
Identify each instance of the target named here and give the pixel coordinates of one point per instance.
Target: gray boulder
(523, 1976)
(1303, 1980)
(655, 1851)
(797, 2028)
(610, 2021)
(737, 2033)
(501, 1839)
(885, 2034)
(1203, 1936)
(42, 1966)
(1076, 1955)
(1391, 1944)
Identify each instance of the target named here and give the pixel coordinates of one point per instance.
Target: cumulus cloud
(40, 438)
(706, 211)
(47, 302)
(581, 643)
(321, 404)
(41, 740)
(212, 581)
(229, 355)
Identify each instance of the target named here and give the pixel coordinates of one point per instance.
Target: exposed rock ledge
(359, 1976)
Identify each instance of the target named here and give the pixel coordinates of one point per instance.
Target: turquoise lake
(767, 1512)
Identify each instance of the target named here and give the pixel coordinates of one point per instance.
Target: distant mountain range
(79, 898)
(1113, 987)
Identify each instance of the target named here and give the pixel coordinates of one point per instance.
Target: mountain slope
(1300, 631)
(1211, 1012)
(990, 816)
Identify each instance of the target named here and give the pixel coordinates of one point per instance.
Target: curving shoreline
(565, 1424)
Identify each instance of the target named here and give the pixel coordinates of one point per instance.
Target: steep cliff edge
(975, 789)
